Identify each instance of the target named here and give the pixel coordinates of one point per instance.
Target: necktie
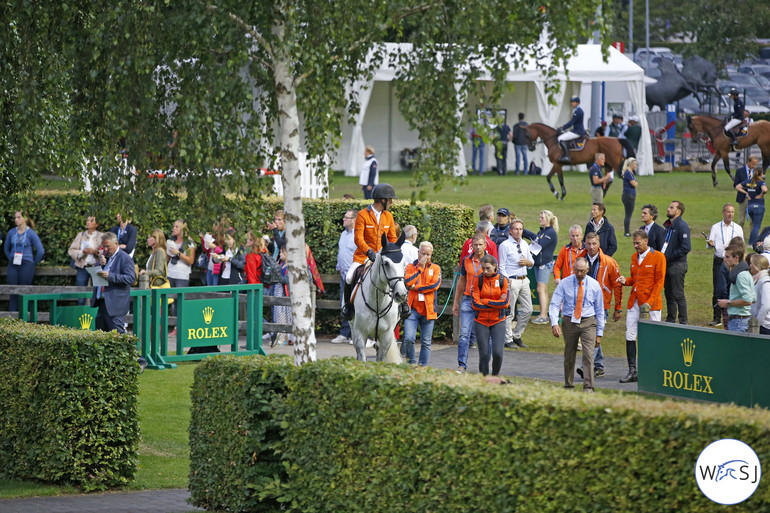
(579, 302)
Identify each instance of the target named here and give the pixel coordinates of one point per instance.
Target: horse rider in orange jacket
(371, 223)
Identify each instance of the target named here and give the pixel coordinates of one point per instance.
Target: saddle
(741, 130)
(577, 144)
(358, 277)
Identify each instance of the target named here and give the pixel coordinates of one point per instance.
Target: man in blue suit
(113, 299)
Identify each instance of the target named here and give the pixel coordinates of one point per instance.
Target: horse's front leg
(563, 189)
(359, 342)
(726, 162)
(553, 189)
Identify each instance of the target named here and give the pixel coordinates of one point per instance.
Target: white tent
(382, 126)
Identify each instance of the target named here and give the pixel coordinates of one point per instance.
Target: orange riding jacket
(368, 233)
(566, 259)
(647, 280)
(607, 275)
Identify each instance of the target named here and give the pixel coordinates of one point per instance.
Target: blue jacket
(128, 237)
(656, 236)
(607, 241)
(116, 295)
(576, 123)
(547, 239)
(738, 109)
(741, 175)
(678, 238)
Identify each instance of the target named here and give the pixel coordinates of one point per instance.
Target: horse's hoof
(556, 194)
(716, 183)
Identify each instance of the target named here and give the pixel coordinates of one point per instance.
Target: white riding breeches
(568, 136)
(351, 272)
(632, 320)
(732, 124)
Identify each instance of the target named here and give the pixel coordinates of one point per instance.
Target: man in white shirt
(407, 248)
(720, 236)
(515, 259)
(346, 250)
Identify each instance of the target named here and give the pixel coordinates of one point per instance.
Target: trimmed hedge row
(68, 405)
(362, 437)
(59, 217)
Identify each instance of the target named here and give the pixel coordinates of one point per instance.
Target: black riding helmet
(734, 92)
(384, 191)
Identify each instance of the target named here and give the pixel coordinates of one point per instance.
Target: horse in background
(376, 301)
(713, 128)
(610, 146)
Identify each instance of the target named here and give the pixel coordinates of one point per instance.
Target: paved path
(515, 363)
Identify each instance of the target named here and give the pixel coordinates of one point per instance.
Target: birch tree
(249, 83)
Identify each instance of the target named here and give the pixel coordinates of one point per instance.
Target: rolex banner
(78, 317)
(705, 364)
(207, 322)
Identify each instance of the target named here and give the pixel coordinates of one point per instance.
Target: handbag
(161, 282)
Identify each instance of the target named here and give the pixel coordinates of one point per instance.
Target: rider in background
(371, 223)
(578, 130)
(736, 118)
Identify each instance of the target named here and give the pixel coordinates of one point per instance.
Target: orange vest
(368, 233)
(566, 259)
(647, 280)
(491, 299)
(426, 282)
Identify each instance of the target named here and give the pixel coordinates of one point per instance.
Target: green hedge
(233, 430)
(68, 405)
(363, 437)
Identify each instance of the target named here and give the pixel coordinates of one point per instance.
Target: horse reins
(378, 313)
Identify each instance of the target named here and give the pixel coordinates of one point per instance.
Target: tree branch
(383, 26)
(249, 30)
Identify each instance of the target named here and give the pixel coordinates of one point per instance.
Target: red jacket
(491, 299)
(253, 268)
(467, 249)
(647, 280)
(426, 282)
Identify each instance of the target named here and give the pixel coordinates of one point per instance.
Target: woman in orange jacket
(490, 301)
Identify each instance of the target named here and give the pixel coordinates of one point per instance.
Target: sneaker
(626, 235)
(350, 341)
(715, 323)
(369, 343)
(579, 372)
(339, 339)
(598, 373)
(510, 345)
(540, 320)
(460, 370)
(473, 346)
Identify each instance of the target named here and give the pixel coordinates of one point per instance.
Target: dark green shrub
(233, 431)
(68, 401)
(358, 437)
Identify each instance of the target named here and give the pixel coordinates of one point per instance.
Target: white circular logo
(728, 471)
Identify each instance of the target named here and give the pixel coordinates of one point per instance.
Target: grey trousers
(574, 334)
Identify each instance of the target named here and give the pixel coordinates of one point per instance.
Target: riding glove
(371, 254)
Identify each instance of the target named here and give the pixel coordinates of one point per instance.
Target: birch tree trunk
(303, 315)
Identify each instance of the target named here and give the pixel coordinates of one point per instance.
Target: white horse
(376, 303)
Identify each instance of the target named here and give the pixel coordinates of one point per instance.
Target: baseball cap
(504, 211)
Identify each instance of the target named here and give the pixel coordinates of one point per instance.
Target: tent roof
(586, 65)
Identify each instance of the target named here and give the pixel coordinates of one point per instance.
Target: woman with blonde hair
(628, 197)
(156, 264)
(547, 239)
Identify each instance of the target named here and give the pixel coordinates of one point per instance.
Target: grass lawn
(526, 196)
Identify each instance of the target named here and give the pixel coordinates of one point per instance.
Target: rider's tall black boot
(564, 159)
(347, 307)
(632, 376)
(733, 140)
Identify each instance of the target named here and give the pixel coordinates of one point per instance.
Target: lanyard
(16, 241)
(475, 269)
(668, 233)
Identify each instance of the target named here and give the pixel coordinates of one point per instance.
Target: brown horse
(713, 128)
(612, 149)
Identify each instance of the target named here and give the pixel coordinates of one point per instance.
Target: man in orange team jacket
(371, 223)
(648, 274)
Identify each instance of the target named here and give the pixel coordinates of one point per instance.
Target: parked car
(720, 105)
(750, 80)
(755, 69)
(640, 55)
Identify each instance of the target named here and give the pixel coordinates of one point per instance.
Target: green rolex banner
(705, 364)
(79, 317)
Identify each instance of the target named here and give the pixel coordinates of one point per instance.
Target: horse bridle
(391, 293)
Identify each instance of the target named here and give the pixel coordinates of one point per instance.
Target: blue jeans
(756, 211)
(521, 149)
(19, 275)
(211, 278)
(478, 148)
(466, 330)
(739, 325)
(598, 354)
(345, 325)
(410, 331)
(81, 280)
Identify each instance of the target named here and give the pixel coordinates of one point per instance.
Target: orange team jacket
(469, 268)
(426, 282)
(647, 280)
(490, 299)
(607, 275)
(566, 259)
(368, 234)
